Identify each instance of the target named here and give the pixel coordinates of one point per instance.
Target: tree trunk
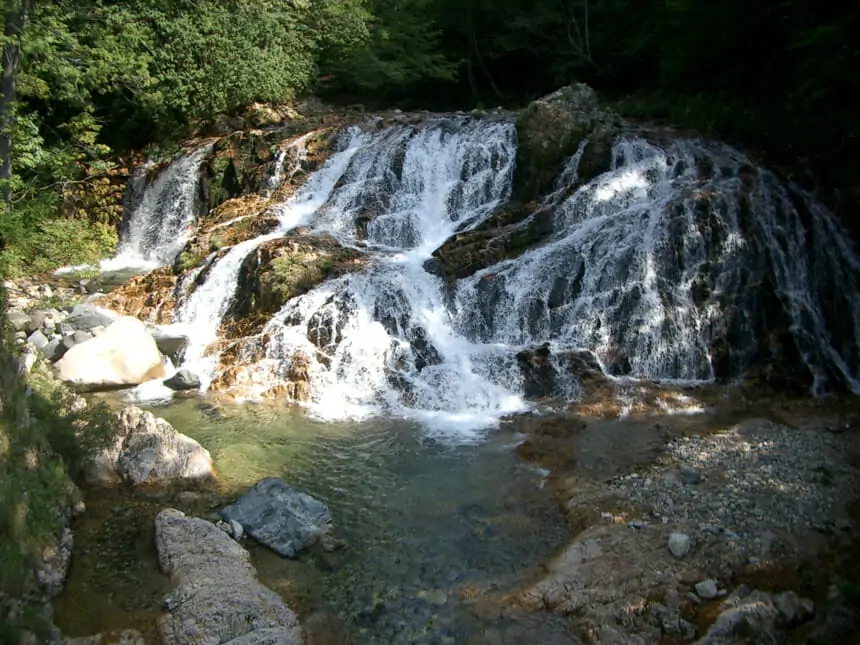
(15, 16)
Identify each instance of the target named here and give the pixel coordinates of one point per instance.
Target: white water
(200, 316)
(381, 341)
(680, 263)
(630, 250)
(160, 222)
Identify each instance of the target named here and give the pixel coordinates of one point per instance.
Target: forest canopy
(84, 80)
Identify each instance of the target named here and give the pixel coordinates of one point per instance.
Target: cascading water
(381, 341)
(201, 314)
(681, 262)
(672, 257)
(161, 218)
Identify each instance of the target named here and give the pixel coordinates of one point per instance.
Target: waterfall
(672, 255)
(682, 262)
(296, 153)
(201, 314)
(381, 341)
(159, 224)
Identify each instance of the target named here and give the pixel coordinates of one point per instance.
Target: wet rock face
(287, 267)
(217, 598)
(149, 297)
(549, 131)
(241, 161)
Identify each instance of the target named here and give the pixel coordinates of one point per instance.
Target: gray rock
(793, 609)
(36, 321)
(26, 359)
(284, 519)
(54, 564)
(679, 544)
(707, 589)
(690, 476)
(751, 620)
(76, 338)
(98, 329)
(147, 450)
(237, 530)
(38, 340)
(54, 350)
(217, 598)
(183, 380)
(18, 319)
(86, 317)
(169, 343)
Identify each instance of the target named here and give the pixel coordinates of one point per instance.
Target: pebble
(757, 478)
(637, 524)
(690, 476)
(707, 589)
(237, 530)
(679, 544)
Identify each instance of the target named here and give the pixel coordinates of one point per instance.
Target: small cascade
(294, 155)
(381, 341)
(161, 216)
(203, 311)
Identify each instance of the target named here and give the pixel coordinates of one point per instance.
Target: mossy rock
(507, 234)
(550, 130)
(285, 268)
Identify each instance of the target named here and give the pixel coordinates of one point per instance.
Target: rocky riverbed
(741, 530)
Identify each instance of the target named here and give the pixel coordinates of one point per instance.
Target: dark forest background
(87, 80)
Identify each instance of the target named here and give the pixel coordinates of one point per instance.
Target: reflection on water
(428, 527)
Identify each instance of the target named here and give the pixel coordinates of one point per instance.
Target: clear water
(435, 533)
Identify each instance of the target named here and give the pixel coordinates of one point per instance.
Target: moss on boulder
(284, 268)
(550, 130)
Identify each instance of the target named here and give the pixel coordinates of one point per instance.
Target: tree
(15, 14)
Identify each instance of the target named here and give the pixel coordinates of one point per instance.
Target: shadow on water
(428, 528)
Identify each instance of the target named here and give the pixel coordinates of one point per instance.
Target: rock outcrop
(217, 598)
(124, 354)
(281, 517)
(551, 129)
(284, 268)
(148, 450)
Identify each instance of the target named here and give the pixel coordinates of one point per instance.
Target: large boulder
(550, 130)
(124, 354)
(217, 598)
(148, 450)
(281, 517)
(284, 268)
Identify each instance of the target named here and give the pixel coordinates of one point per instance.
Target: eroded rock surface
(550, 130)
(217, 598)
(147, 450)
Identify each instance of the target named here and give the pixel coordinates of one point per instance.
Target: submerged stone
(281, 517)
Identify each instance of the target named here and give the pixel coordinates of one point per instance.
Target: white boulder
(146, 450)
(124, 354)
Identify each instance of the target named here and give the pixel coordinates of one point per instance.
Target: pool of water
(435, 532)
